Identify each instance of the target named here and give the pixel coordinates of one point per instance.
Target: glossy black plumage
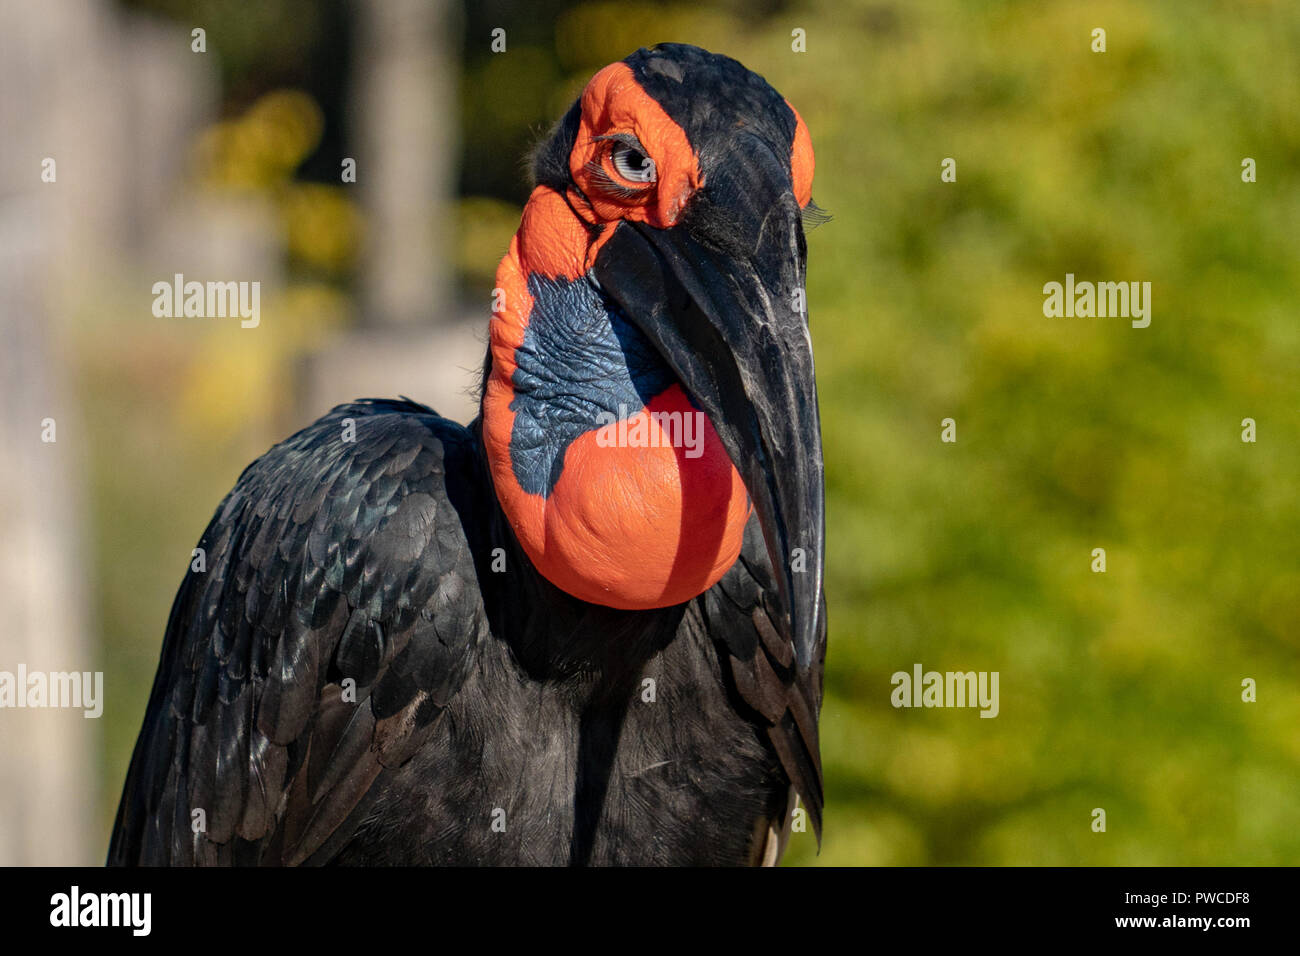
(369, 669)
(477, 690)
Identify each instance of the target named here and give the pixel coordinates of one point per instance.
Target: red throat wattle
(628, 524)
(633, 524)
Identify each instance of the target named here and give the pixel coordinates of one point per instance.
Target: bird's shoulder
(329, 617)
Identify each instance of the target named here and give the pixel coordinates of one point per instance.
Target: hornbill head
(657, 274)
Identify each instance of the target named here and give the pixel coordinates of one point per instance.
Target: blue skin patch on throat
(580, 358)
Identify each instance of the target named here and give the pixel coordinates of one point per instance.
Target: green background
(1120, 690)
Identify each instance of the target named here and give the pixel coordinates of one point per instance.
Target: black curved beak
(721, 296)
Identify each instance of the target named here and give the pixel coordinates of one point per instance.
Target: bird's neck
(616, 485)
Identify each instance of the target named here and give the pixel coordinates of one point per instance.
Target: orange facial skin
(626, 527)
(801, 160)
(638, 528)
(614, 102)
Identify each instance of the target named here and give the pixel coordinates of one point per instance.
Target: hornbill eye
(632, 164)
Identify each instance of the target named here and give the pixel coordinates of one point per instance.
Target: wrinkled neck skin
(616, 485)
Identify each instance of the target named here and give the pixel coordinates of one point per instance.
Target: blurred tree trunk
(404, 130)
(404, 136)
(48, 779)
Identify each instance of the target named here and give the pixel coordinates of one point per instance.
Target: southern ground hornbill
(542, 638)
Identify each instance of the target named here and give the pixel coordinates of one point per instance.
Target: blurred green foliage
(1119, 690)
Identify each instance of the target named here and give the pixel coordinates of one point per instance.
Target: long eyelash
(601, 177)
(627, 139)
(814, 215)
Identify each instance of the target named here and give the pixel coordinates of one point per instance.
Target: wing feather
(783, 700)
(336, 617)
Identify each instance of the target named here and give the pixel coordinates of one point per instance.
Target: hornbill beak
(721, 296)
